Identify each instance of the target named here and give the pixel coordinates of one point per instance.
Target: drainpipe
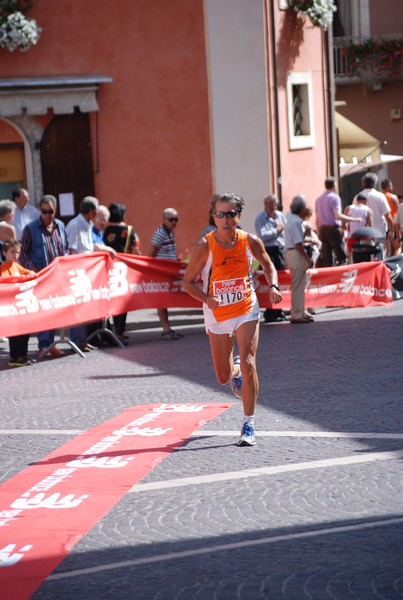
(331, 93)
(278, 191)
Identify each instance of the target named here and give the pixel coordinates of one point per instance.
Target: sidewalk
(147, 318)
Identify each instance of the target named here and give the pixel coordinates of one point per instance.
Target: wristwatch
(273, 285)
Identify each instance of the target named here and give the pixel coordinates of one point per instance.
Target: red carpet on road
(47, 508)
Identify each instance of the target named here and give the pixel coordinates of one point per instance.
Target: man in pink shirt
(329, 217)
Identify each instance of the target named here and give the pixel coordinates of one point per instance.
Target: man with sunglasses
(163, 246)
(42, 241)
(223, 260)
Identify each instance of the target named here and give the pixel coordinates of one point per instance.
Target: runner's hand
(275, 297)
(213, 302)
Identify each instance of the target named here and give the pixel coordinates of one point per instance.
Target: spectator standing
(393, 200)
(312, 242)
(79, 235)
(100, 222)
(7, 229)
(163, 246)
(43, 240)
(361, 210)
(269, 226)
(223, 259)
(24, 211)
(378, 203)
(393, 245)
(328, 225)
(297, 260)
(399, 227)
(122, 238)
(18, 344)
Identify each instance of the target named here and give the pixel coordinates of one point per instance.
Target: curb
(177, 317)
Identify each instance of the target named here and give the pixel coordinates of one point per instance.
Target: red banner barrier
(87, 287)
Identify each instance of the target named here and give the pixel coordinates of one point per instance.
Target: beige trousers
(298, 267)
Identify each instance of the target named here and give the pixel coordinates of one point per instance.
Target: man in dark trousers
(269, 227)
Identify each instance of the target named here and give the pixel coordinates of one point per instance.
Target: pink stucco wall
(154, 146)
(300, 49)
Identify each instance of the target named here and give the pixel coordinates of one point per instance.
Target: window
(300, 111)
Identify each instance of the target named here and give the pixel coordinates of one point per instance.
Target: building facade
(157, 104)
(368, 50)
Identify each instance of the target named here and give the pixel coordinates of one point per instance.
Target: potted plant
(16, 30)
(375, 57)
(320, 12)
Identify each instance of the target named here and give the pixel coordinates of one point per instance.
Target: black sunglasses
(48, 212)
(172, 219)
(230, 214)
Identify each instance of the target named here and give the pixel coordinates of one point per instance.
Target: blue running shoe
(236, 382)
(247, 435)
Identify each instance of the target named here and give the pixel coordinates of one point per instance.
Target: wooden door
(66, 155)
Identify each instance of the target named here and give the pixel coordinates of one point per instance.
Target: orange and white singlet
(228, 274)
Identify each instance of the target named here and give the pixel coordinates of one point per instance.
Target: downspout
(278, 182)
(331, 93)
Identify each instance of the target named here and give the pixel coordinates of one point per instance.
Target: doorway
(66, 157)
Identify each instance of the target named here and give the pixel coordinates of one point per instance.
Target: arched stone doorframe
(31, 133)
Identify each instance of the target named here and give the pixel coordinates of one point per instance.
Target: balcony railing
(376, 58)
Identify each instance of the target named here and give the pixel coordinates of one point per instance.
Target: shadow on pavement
(334, 559)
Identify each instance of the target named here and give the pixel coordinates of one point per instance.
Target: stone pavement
(313, 511)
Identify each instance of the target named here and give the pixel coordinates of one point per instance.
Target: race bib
(230, 291)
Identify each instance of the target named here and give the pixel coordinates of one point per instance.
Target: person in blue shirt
(43, 240)
(100, 221)
(269, 226)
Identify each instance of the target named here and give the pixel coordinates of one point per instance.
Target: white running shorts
(229, 326)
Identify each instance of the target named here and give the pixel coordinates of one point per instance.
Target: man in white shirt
(377, 202)
(296, 259)
(79, 236)
(24, 211)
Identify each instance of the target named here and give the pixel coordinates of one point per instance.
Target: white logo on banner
(8, 557)
(102, 462)
(395, 274)
(347, 280)
(177, 283)
(80, 285)
(118, 284)
(52, 501)
(27, 302)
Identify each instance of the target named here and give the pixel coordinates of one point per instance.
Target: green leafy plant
(320, 12)
(375, 56)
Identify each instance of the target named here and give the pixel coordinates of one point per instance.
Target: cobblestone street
(313, 511)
